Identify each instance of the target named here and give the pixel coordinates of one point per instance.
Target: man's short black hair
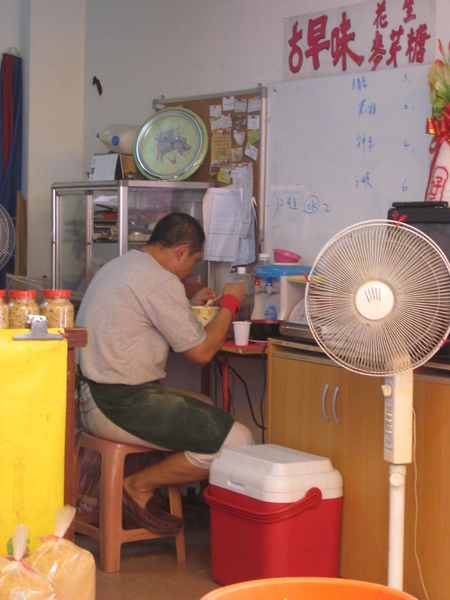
(178, 228)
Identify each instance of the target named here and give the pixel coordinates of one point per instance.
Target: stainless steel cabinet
(94, 222)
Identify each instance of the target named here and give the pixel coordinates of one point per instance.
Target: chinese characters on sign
(380, 34)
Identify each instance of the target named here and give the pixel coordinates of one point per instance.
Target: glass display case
(96, 221)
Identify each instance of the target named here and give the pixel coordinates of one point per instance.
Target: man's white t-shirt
(135, 311)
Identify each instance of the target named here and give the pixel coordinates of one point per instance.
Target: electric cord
(234, 374)
(263, 394)
(241, 379)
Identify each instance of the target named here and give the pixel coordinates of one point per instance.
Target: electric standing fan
(378, 303)
(7, 236)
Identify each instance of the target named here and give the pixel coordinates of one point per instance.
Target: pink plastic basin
(284, 256)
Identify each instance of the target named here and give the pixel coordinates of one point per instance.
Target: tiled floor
(149, 570)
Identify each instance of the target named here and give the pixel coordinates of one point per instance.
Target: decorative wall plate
(171, 145)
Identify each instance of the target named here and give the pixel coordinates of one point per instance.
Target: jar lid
(22, 293)
(56, 293)
(2, 293)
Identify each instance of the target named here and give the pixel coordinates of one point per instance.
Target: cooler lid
(274, 473)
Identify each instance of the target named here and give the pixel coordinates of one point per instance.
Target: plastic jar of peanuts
(22, 304)
(4, 311)
(57, 308)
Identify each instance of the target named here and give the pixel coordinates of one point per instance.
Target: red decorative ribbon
(440, 128)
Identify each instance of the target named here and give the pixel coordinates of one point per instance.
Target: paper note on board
(222, 214)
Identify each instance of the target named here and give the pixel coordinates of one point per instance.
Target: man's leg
(173, 470)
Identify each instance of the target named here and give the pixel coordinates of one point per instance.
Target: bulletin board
(243, 133)
(340, 150)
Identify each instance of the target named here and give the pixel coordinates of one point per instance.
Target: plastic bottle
(4, 311)
(57, 308)
(245, 312)
(119, 138)
(263, 259)
(22, 304)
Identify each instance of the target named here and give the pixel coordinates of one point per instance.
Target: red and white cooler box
(275, 512)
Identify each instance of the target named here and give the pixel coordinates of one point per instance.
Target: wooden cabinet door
(299, 398)
(432, 416)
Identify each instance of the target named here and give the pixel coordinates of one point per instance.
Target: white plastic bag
(17, 579)
(70, 568)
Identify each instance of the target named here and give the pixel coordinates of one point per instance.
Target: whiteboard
(340, 150)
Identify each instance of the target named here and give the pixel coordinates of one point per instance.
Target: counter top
(436, 364)
(251, 348)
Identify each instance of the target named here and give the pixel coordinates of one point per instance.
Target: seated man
(136, 309)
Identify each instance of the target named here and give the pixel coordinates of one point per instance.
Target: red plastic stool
(106, 526)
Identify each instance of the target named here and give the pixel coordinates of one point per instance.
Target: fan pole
(397, 475)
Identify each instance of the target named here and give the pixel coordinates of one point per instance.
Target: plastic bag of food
(19, 580)
(89, 486)
(70, 568)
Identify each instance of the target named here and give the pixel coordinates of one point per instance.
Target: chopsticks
(213, 300)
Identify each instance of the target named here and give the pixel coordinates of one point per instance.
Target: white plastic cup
(241, 332)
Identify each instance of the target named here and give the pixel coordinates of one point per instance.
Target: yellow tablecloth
(33, 381)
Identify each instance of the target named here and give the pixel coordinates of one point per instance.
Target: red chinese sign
(374, 35)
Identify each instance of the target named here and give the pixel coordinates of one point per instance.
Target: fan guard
(7, 236)
(378, 298)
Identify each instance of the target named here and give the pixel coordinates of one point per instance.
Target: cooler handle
(312, 499)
